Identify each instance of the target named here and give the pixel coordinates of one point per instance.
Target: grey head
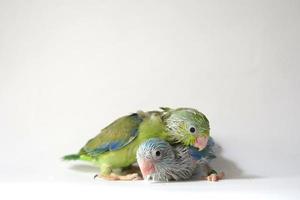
(159, 161)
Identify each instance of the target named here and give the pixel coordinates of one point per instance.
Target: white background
(68, 68)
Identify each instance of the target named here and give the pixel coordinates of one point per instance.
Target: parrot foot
(133, 176)
(106, 177)
(116, 177)
(215, 177)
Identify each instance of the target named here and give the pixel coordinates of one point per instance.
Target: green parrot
(116, 145)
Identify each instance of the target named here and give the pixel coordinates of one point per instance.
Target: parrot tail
(78, 157)
(71, 157)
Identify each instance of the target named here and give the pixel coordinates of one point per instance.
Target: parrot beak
(201, 142)
(147, 168)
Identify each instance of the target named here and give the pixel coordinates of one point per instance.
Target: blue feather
(114, 145)
(98, 150)
(207, 153)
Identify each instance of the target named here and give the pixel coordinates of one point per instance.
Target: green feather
(118, 134)
(71, 157)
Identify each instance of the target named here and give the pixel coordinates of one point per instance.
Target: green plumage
(72, 157)
(145, 125)
(116, 145)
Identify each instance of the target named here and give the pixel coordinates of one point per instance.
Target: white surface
(274, 189)
(68, 68)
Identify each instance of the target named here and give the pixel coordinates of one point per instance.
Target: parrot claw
(215, 177)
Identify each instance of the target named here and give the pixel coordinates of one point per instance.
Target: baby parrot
(116, 145)
(159, 161)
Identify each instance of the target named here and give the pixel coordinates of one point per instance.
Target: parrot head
(153, 156)
(187, 126)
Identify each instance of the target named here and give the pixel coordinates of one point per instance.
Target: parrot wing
(115, 136)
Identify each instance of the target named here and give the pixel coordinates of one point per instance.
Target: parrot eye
(157, 153)
(192, 130)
